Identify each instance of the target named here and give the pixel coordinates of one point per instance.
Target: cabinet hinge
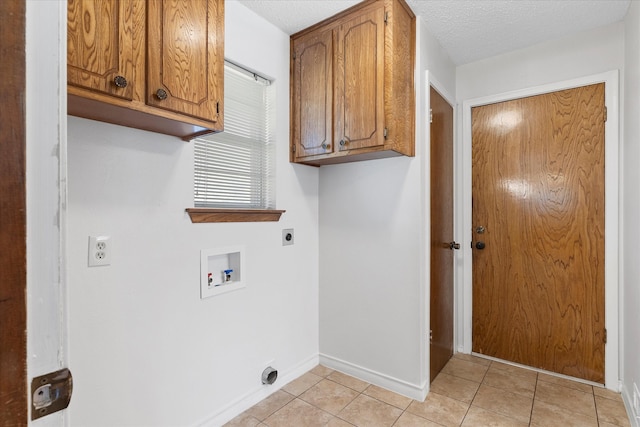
(605, 336)
(293, 148)
(294, 56)
(430, 115)
(386, 18)
(385, 132)
(217, 107)
(605, 114)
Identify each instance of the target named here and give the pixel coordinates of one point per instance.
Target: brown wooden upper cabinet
(352, 88)
(153, 65)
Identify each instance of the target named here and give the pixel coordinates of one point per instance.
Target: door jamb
(613, 308)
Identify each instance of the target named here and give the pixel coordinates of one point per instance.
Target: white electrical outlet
(99, 251)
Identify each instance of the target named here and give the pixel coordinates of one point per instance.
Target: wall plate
(287, 237)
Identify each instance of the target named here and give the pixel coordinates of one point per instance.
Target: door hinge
(386, 18)
(430, 336)
(385, 132)
(605, 336)
(605, 114)
(430, 115)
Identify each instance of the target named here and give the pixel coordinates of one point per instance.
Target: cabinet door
(185, 51)
(312, 95)
(100, 46)
(360, 81)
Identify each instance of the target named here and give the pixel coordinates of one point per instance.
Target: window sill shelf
(200, 215)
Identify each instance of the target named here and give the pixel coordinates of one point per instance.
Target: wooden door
(13, 219)
(538, 194)
(359, 81)
(100, 46)
(312, 95)
(442, 243)
(185, 51)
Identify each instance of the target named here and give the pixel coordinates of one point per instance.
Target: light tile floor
(470, 391)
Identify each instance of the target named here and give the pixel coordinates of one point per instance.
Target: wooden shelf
(201, 215)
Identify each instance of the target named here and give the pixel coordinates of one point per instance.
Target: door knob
(480, 245)
(454, 245)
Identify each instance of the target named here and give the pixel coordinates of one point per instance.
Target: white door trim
(613, 308)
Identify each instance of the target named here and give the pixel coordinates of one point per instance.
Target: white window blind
(235, 168)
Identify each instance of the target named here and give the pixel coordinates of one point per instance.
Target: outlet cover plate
(99, 251)
(287, 236)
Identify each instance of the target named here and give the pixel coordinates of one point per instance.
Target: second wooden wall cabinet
(352, 85)
(153, 65)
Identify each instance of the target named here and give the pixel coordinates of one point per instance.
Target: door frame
(46, 122)
(612, 212)
(431, 81)
(13, 216)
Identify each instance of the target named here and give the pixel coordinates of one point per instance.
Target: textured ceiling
(468, 30)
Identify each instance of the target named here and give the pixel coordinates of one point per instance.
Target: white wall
(46, 174)
(631, 208)
(586, 54)
(145, 349)
(373, 287)
(583, 54)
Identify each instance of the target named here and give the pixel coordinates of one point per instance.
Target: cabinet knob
(120, 81)
(343, 142)
(161, 94)
(325, 146)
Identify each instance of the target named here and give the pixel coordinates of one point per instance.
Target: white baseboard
(259, 393)
(417, 392)
(634, 418)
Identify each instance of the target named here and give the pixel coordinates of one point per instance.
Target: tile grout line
(476, 393)
(595, 405)
(533, 400)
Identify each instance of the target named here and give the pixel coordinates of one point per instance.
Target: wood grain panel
(398, 84)
(360, 81)
(206, 215)
(184, 74)
(441, 299)
(185, 51)
(100, 45)
(538, 189)
(373, 63)
(13, 272)
(312, 94)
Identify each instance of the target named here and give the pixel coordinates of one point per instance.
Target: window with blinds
(235, 168)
